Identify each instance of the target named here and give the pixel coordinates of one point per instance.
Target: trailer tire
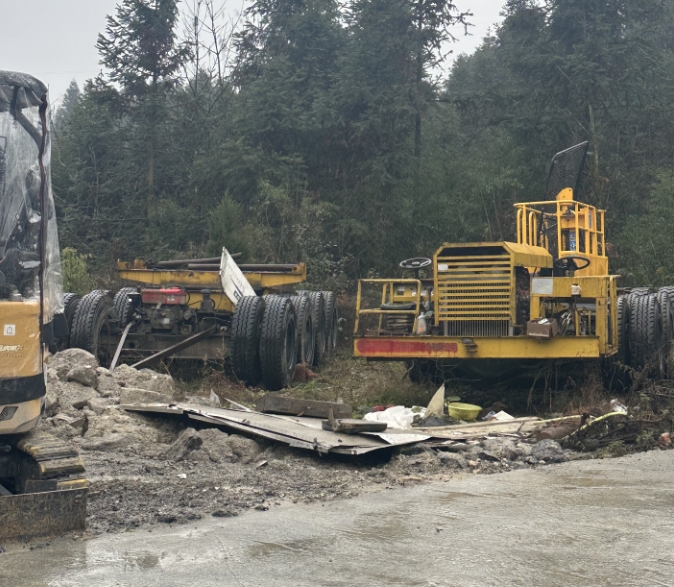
(91, 322)
(278, 343)
(665, 299)
(623, 355)
(305, 329)
(245, 341)
(646, 333)
(70, 303)
(318, 317)
(331, 322)
(123, 305)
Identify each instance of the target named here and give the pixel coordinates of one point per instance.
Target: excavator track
(43, 489)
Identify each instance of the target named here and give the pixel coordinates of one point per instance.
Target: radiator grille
(475, 288)
(478, 328)
(8, 413)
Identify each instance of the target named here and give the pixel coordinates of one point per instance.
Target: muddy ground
(147, 470)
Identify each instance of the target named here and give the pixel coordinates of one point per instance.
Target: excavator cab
(41, 485)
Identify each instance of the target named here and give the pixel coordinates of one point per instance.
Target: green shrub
(76, 276)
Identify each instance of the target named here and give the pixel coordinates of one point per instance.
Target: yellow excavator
(42, 486)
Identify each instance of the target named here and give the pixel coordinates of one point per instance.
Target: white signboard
(541, 286)
(234, 282)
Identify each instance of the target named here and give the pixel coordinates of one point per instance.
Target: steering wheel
(570, 263)
(416, 263)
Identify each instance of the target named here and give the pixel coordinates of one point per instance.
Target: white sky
(54, 40)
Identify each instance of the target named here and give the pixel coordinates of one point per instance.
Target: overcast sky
(54, 40)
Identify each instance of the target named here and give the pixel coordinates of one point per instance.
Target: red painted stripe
(387, 347)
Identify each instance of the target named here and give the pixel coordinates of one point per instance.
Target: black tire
(245, 340)
(318, 316)
(666, 302)
(91, 323)
(305, 328)
(613, 368)
(623, 355)
(123, 305)
(278, 343)
(70, 303)
(645, 334)
(331, 322)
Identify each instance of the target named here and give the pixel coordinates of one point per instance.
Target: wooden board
(276, 404)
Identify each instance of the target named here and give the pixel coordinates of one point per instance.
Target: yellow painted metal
(138, 271)
(25, 419)
(387, 297)
(477, 299)
(444, 347)
(20, 343)
(579, 227)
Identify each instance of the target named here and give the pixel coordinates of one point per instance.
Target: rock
(453, 460)
(415, 449)
(107, 386)
(52, 375)
(121, 427)
(245, 450)
(188, 441)
(67, 397)
(84, 374)
(216, 445)
(548, 450)
(113, 441)
(51, 404)
(99, 405)
(523, 449)
(473, 451)
(127, 376)
(131, 395)
(76, 426)
(501, 448)
(66, 360)
(457, 447)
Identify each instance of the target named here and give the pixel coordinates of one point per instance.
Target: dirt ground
(147, 470)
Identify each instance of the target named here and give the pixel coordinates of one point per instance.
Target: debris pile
(152, 459)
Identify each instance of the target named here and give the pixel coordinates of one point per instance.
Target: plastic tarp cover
(22, 185)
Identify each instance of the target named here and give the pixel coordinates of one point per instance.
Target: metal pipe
(178, 262)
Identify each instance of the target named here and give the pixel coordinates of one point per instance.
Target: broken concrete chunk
(79, 423)
(548, 450)
(68, 397)
(188, 441)
(502, 448)
(131, 395)
(68, 359)
(246, 450)
(216, 445)
(453, 460)
(84, 374)
(524, 449)
(99, 405)
(127, 376)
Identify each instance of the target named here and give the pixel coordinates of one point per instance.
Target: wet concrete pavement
(585, 523)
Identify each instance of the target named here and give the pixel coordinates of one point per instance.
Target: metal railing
(387, 297)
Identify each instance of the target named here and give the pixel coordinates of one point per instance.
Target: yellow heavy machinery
(42, 485)
(210, 310)
(495, 309)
